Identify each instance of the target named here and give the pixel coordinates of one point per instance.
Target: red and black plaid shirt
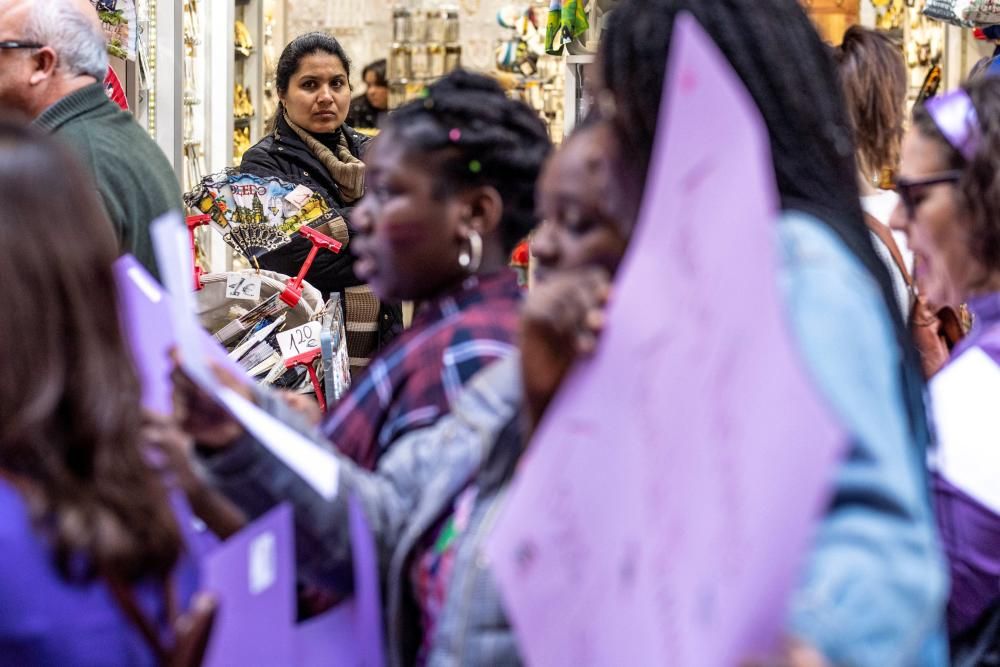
(418, 377)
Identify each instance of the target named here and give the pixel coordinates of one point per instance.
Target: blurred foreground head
(70, 415)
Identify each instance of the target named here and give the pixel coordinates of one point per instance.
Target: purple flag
(670, 494)
(146, 318)
(351, 634)
(144, 312)
(253, 575)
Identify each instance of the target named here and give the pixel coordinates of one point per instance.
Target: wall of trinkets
(225, 95)
(424, 39)
(144, 40)
(938, 55)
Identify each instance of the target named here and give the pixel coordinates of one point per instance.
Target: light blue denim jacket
(874, 589)
(875, 586)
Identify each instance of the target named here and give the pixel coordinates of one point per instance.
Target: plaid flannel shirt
(419, 376)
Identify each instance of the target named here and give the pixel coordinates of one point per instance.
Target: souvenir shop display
(964, 13)
(192, 130)
(425, 47)
(275, 327)
(300, 347)
(247, 76)
(537, 75)
(121, 26)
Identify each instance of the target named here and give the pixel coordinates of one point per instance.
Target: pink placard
(671, 492)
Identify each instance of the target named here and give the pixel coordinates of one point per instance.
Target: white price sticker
(263, 563)
(242, 286)
(300, 340)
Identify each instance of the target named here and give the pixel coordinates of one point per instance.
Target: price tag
(243, 286)
(299, 196)
(299, 341)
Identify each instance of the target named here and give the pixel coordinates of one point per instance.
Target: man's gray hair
(75, 37)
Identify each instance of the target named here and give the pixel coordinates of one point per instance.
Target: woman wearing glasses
(949, 187)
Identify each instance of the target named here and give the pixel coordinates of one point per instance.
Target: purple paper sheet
(351, 634)
(253, 575)
(672, 490)
(145, 314)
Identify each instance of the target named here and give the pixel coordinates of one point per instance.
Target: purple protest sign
(350, 635)
(663, 513)
(143, 312)
(146, 318)
(253, 576)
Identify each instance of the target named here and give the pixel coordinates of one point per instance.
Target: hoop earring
(471, 259)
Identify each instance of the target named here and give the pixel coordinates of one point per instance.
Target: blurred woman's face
(408, 235)
(582, 217)
(318, 98)
(377, 93)
(936, 227)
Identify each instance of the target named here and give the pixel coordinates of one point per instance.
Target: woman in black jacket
(309, 144)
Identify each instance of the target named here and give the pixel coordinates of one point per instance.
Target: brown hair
(70, 416)
(873, 77)
(978, 191)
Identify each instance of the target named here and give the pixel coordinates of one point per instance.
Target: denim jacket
(872, 593)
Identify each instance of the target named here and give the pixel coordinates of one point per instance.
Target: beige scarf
(348, 172)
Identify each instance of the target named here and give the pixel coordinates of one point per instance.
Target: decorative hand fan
(256, 215)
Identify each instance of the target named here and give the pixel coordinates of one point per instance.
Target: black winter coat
(284, 155)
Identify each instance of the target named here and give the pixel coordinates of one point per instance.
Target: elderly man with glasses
(53, 61)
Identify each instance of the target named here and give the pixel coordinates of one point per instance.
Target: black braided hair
(473, 135)
(789, 72)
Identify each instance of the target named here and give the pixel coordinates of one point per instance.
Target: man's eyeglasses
(13, 44)
(906, 188)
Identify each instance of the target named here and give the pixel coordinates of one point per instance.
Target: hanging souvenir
(567, 21)
(120, 22)
(256, 215)
(964, 13)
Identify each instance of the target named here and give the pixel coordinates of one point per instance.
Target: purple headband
(955, 116)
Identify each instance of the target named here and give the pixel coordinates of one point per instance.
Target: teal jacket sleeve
(874, 587)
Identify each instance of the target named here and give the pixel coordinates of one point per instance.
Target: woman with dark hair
(367, 110)
(85, 524)
(310, 144)
(873, 78)
(949, 186)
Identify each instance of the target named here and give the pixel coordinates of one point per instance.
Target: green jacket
(132, 174)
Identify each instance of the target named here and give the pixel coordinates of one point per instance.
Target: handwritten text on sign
(299, 341)
(239, 286)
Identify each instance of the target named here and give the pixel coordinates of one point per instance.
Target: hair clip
(956, 118)
(455, 135)
(475, 166)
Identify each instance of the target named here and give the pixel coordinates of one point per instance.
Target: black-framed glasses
(906, 188)
(14, 44)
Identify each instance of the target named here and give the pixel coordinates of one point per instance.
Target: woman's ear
(484, 210)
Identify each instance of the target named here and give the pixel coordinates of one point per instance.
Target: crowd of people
(96, 496)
